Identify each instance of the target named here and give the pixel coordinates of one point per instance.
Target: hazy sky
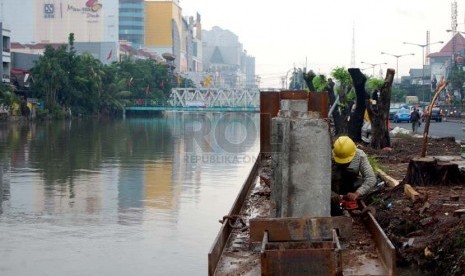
(318, 34)
(284, 34)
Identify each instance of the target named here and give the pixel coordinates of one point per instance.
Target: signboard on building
(56, 19)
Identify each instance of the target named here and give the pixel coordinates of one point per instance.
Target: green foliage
(42, 114)
(374, 83)
(351, 95)
(57, 113)
(342, 76)
(320, 83)
(374, 162)
(398, 94)
(7, 97)
(65, 80)
(456, 78)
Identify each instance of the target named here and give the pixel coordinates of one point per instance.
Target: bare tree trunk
(340, 121)
(379, 116)
(356, 117)
(442, 84)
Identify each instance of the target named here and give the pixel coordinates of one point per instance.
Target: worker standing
(351, 174)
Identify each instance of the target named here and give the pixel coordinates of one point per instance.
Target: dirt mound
(428, 233)
(394, 161)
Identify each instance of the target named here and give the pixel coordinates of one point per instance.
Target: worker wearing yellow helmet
(352, 175)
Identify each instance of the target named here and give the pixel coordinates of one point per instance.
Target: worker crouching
(351, 175)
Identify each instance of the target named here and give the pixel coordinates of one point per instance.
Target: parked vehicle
(436, 114)
(402, 115)
(392, 112)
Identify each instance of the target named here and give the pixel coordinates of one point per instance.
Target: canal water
(120, 197)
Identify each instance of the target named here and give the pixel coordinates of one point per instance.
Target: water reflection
(153, 186)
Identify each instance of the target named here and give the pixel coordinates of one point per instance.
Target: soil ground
(428, 234)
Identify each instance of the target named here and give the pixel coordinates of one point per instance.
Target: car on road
(402, 115)
(436, 114)
(392, 112)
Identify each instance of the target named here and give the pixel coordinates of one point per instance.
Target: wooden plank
(295, 229)
(411, 193)
(391, 182)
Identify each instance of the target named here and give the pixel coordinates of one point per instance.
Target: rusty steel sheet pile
(301, 257)
(300, 246)
(252, 241)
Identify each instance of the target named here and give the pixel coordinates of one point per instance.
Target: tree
(344, 100)
(456, 79)
(64, 79)
(6, 95)
(49, 75)
(397, 94)
(379, 113)
(356, 116)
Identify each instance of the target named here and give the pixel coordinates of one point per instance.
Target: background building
(225, 59)
(90, 21)
(132, 22)
(442, 61)
(163, 30)
(6, 53)
(144, 29)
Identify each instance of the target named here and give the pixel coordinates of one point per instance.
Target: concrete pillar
(301, 183)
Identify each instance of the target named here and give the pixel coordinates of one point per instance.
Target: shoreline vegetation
(61, 82)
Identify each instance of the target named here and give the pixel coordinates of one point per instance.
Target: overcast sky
(284, 34)
(318, 34)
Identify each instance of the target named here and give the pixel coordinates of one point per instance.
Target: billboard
(56, 19)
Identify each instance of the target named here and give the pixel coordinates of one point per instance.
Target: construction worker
(352, 175)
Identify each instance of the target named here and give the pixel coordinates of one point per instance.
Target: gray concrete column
(301, 184)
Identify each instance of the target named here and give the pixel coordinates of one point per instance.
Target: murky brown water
(122, 197)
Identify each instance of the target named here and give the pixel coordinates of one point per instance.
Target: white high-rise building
(51, 21)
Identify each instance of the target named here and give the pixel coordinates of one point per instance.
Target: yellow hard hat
(344, 150)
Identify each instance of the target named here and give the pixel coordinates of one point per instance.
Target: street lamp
(423, 61)
(397, 61)
(372, 65)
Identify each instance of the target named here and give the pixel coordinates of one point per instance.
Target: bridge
(202, 99)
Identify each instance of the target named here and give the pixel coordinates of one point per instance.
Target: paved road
(452, 127)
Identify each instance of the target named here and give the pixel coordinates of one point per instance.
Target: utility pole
(397, 61)
(423, 62)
